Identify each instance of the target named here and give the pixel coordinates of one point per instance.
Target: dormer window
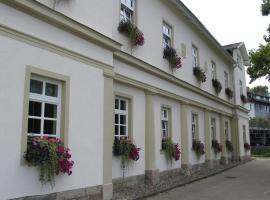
(127, 11)
(167, 35)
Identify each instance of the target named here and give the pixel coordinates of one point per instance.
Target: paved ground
(250, 181)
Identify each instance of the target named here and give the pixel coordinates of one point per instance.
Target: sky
(233, 21)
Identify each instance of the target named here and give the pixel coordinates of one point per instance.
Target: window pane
(50, 110)
(116, 121)
(116, 128)
(51, 90)
(123, 119)
(116, 105)
(122, 130)
(35, 108)
(49, 127)
(122, 105)
(34, 126)
(36, 86)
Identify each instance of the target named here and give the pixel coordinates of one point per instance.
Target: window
(244, 134)
(165, 122)
(213, 128)
(194, 126)
(214, 70)
(227, 131)
(241, 87)
(195, 57)
(121, 118)
(44, 107)
(167, 35)
(127, 10)
(226, 79)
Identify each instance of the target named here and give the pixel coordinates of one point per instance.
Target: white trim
(119, 113)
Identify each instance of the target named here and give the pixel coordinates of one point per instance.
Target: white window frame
(239, 61)
(166, 35)
(195, 56)
(120, 112)
(214, 70)
(194, 126)
(125, 8)
(213, 128)
(44, 99)
(226, 79)
(165, 132)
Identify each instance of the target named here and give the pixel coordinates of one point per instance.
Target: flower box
(172, 150)
(199, 73)
(217, 85)
(50, 156)
(136, 37)
(247, 146)
(229, 93)
(216, 146)
(174, 60)
(198, 147)
(243, 98)
(229, 146)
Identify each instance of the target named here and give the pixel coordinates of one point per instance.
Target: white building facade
(67, 72)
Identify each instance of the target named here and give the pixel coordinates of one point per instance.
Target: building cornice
(61, 21)
(141, 65)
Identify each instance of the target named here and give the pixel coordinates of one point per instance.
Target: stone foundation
(93, 193)
(152, 177)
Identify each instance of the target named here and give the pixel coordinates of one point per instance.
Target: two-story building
(83, 71)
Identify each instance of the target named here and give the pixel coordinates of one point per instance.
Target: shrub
(229, 93)
(229, 146)
(136, 37)
(199, 73)
(217, 85)
(198, 147)
(50, 156)
(174, 60)
(216, 146)
(172, 150)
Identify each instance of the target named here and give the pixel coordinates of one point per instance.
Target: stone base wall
(93, 193)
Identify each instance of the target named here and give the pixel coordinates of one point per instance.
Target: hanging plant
(198, 147)
(174, 60)
(217, 85)
(229, 146)
(243, 98)
(127, 151)
(50, 156)
(216, 146)
(200, 74)
(229, 93)
(136, 37)
(172, 150)
(247, 146)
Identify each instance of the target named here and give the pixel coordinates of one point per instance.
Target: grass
(261, 152)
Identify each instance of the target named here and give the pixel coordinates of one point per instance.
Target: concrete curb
(195, 180)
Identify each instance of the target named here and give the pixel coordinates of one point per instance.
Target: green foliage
(217, 85)
(169, 149)
(260, 58)
(265, 8)
(260, 151)
(259, 122)
(260, 63)
(263, 90)
(199, 73)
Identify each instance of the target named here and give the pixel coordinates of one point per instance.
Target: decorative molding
(157, 91)
(42, 44)
(141, 65)
(61, 21)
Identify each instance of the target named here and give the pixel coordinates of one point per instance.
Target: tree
(259, 122)
(263, 90)
(260, 58)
